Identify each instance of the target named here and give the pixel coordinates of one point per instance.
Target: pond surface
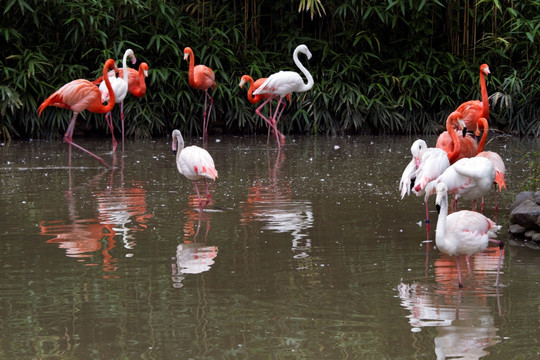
(305, 254)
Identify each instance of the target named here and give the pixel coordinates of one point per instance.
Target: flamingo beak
(438, 207)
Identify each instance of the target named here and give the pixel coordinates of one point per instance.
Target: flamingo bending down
(201, 77)
(120, 88)
(470, 178)
(254, 85)
(79, 95)
(472, 110)
(464, 232)
(457, 146)
(194, 163)
(426, 165)
(283, 83)
(500, 171)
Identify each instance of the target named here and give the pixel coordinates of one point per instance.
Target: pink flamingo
(473, 110)
(79, 95)
(201, 77)
(457, 146)
(283, 83)
(120, 88)
(194, 163)
(254, 85)
(464, 232)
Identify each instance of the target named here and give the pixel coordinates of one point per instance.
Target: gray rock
(526, 214)
(516, 229)
(536, 237)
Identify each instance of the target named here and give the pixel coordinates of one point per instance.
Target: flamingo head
(484, 68)
(304, 49)
(243, 80)
(187, 51)
(144, 67)
(442, 191)
(131, 54)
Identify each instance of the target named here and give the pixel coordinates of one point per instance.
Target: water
(306, 254)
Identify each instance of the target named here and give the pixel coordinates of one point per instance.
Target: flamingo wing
(196, 163)
(281, 83)
(77, 95)
(203, 77)
(119, 87)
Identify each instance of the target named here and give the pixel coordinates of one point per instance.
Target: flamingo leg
(206, 115)
(501, 248)
(279, 136)
(198, 195)
(68, 138)
(459, 272)
(108, 118)
(122, 117)
(496, 203)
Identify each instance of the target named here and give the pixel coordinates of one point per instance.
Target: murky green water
(309, 254)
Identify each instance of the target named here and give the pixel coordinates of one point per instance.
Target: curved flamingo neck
(485, 98)
(191, 65)
(440, 231)
(252, 99)
(129, 53)
(456, 145)
(178, 144)
(482, 122)
(109, 64)
(304, 71)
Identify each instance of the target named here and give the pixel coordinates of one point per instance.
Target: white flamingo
(470, 178)
(194, 163)
(426, 165)
(283, 83)
(120, 89)
(463, 232)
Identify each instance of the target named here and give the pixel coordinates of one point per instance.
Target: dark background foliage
(396, 66)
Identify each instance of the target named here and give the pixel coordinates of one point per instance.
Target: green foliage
(532, 182)
(379, 66)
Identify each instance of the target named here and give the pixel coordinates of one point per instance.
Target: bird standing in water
(463, 232)
(201, 77)
(79, 95)
(194, 163)
(283, 83)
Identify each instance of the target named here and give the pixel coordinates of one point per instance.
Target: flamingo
(79, 95)
(472, 110)
(500, 171)
(464, 232)
(457, 146)
(254, 85)
(283, 83)
(194, 163)
(426, 165)
(201, 77)
(120, 87)
(136, 79)
(470, 178)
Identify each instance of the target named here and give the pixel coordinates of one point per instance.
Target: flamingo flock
(459, 166)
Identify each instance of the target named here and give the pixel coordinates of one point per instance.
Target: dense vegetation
(395, 66)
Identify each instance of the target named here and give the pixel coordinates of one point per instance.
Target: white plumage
(461, 233)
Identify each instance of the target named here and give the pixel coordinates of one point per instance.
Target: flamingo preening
(500, 171)
(426, 165)
(79, 95)
(120, 86)
(464, 232)
(194, 163)
(283, 83)
(201, 77)
(470, 178)
(456, 144)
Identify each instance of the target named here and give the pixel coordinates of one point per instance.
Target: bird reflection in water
(464, 319)
(121, 211)
(193, 256)
(269, 201)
